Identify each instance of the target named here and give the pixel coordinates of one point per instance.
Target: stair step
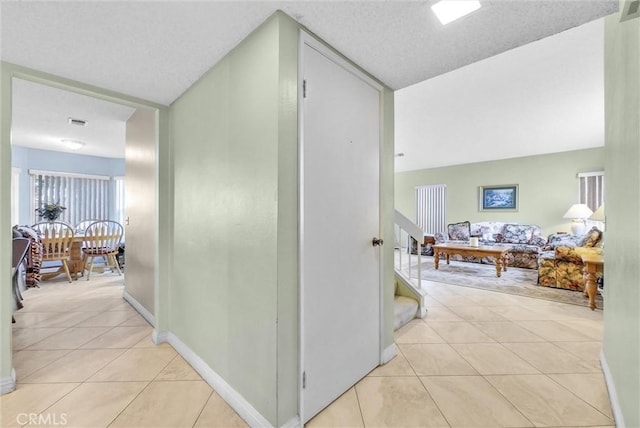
(404, 310)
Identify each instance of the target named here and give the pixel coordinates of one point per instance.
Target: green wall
(548, 186)
(226, 152)
(621, 347)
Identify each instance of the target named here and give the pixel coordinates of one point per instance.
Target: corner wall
(621, 346)
(548, 186)
(226, 139)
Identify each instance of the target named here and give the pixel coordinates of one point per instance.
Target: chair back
(82, 226)
(102, 237)
(56, 239)
(20, 248)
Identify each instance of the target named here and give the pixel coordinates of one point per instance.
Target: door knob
(377, 241)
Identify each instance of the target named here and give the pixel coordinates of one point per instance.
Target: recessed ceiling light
(449, 10)
(73, 144)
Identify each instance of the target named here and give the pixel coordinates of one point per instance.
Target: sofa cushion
(517, 233)
(524, 248)
(459, 231)
(561, 240)
(591, 238)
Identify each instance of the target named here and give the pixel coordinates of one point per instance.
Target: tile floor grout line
(576, 395)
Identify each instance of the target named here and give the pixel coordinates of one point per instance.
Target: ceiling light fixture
(73, 144)
(77, 122)
(449, 10)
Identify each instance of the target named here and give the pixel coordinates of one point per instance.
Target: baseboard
(294, 422)
(228, 394)
(388, 353)
(613, 395)
(8, 384)
(159, 337)
(151, 319)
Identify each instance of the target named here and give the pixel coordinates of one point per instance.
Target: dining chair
(102, 239)
(81, 227)
(57, 237)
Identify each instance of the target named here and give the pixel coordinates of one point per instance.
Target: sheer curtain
(85, 196)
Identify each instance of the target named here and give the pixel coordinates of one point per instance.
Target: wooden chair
(20, 249)
(82, 226)
(102, 239)
(56, 242)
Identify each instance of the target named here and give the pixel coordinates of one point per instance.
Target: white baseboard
(8, 383)
(294, 422)
(388, 353)
(151, 319)
(159, 337)
(228, 394)
(613, 395)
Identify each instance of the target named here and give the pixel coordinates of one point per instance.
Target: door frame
(163, 238)
(306, 39)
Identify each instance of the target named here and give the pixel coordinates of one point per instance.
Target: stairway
(404, 310)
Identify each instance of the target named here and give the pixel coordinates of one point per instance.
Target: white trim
(388, 354)
(590, 174)
(237, 402)
(294, 422)
(613, 395)
(68, 174)
(8, 384)
(158, 337)
(138, 307)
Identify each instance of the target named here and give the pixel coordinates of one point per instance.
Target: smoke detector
(77, 122)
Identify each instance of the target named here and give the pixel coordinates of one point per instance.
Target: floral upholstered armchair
(560, 264)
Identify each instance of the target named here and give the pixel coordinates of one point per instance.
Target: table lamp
(599, 214)
(578, 213)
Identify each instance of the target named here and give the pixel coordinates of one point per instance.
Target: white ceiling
(155, 50)
(40, 120)
(544, 97)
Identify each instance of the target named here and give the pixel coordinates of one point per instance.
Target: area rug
(522, 282)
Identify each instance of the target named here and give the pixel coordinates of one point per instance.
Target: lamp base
(578, 228)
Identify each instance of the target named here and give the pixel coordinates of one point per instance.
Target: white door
(340, 266)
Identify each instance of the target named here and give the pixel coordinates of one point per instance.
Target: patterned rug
(515, 281)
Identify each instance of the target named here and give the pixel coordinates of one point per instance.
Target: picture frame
(498, 198)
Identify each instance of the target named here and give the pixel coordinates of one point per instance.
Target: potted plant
(50, 212)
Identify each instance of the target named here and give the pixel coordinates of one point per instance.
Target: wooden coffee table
(499, 252)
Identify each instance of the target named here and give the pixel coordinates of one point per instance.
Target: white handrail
(414, 231)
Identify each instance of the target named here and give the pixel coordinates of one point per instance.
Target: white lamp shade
(578, 211)
(599, 214)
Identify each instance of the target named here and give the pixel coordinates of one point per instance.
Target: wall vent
(630, 10)
(80, 122)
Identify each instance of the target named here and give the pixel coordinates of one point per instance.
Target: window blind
(430, 207)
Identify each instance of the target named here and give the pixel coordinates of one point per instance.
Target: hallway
(479, 358)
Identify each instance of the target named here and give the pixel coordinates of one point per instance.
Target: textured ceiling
(155, 50)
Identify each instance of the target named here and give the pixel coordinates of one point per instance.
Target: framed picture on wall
(498, 198)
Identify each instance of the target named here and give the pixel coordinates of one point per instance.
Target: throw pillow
(517, 233)
(459, 231)
(591, 238)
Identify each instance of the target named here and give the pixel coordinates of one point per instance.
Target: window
(85, 196)
(592, 189)
(430, 207)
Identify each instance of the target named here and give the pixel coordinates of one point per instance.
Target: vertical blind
(85, 196)
(430, 207)
(592, 189)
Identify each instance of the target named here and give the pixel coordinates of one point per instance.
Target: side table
(593, 264)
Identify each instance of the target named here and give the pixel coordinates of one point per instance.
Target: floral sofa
(525, 240)
(560, 264)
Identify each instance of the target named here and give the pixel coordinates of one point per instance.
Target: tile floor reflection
(478, 359)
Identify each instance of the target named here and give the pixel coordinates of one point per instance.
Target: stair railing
(411, 230)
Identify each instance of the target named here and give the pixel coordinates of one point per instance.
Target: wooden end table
(593, 263)
(499, 252)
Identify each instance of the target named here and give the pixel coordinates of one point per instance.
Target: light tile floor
(479, 359)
